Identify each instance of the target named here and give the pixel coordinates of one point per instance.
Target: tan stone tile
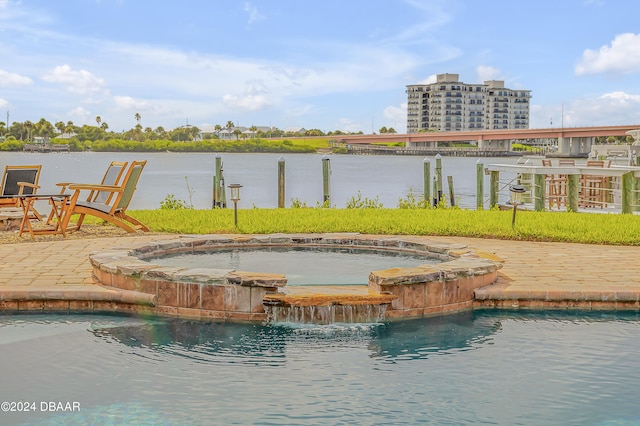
(237, 298)
(212, 315)
(30, 305)
(414, 296)
(81, 305)
(188, 313)
(213, 298)
(189, 295)
(55, 305)
(168, 293)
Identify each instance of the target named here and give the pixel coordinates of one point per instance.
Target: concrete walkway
(535, 274)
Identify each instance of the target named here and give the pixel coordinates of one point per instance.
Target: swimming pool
(301, 265)
(494, 367)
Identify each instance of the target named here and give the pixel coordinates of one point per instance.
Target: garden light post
(516, 197)
(235, 197)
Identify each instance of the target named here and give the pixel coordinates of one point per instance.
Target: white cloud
(9, 79)
(622, 98)
(4, 103)
(79, 82)
(486, 73)
(299, 110)
(247, 102)
(615, 108)
(622, 56)
(128, 103)
(254, 15)
(397, 116)
(433, 16)
(80, 115)
(433, 78)
(609, 108)
(347, 125)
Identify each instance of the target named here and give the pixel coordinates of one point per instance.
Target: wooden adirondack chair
(111, 177)
(18, 180)
(107, 202)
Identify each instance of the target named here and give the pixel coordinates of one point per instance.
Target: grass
(615, 229)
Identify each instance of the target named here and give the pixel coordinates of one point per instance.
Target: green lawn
(533, 226)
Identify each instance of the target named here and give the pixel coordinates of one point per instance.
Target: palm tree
(98, 120)
(137, 116)
(28, 125)
(43, 128)
(69, 127)
(60, 126)
(104, 126)
(162, 134)
(253, 130)
(229, 126)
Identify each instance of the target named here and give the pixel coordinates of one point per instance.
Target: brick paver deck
(535, 274)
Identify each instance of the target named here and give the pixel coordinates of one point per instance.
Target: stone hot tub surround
(226, 294)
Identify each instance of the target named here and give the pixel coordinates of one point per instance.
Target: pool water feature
(306, 266)
(421, 288)
(487, 366)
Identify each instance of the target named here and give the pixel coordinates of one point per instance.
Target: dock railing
(571, 188)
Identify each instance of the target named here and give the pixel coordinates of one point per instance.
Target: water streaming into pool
(491, 367)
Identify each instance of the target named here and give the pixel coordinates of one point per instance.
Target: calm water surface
(302, 266)
(189, 176)
(490, 367)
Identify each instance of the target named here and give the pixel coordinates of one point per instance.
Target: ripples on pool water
(482, 367)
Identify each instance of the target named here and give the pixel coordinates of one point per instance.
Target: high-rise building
(449, 105)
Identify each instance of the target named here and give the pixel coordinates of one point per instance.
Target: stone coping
(138, 262)
(537, 275)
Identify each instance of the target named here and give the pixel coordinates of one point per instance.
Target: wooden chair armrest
(27, 184)
(31, 185)
(93, 187)
(63, 186)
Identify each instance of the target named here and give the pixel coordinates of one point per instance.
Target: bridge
(571, 140)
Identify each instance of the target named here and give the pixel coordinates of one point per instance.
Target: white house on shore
(295, 131)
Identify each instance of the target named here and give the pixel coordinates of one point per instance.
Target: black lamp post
(516, 197)
(235, 197)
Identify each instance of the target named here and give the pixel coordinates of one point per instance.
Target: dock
(564, 185)
(362, 149)
(45, 147)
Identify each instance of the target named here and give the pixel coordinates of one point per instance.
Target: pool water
(301, 265)
(491, 367)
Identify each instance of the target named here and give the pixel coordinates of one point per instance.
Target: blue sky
(328, 65)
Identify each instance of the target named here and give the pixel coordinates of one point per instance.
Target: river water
(189, 176)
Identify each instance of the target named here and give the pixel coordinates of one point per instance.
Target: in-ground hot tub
(302, 264)
(231, 294)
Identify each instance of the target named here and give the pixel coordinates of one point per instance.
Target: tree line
(43, 129)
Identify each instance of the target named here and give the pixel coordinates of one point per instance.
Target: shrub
(358, 202)
(170, 202)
